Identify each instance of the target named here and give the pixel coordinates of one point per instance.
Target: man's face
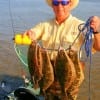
(61, 7)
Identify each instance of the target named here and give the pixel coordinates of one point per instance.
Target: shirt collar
(66, 21)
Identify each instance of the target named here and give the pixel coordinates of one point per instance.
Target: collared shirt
(54, 35)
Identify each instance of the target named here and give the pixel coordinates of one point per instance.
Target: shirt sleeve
(37, 30)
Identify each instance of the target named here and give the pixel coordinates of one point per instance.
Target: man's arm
(95, 25)
(96, 44)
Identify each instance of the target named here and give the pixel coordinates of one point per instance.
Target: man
(61, 31)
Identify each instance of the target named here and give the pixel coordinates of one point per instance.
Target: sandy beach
(11, 65)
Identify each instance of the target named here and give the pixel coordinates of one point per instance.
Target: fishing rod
(18, 52)
(11, 18)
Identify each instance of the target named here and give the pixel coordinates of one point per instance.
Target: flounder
(65, 70)
(47, 69)
(73, 89)
(40, 67)
(35, 62)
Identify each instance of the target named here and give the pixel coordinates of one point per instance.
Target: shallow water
(25, 14)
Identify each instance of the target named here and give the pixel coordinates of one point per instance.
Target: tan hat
(74, 3)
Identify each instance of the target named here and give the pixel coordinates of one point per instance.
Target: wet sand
(11, 65)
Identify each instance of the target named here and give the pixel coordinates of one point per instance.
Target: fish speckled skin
(48, 74)
(79, 75)
(65, 70)
(40, 67)
(61, 78)
(35, 62)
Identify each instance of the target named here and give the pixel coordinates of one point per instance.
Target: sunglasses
(63, 2)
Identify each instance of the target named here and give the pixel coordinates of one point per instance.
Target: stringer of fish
(65, 71)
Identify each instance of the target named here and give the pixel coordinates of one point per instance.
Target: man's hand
(95, 24)
(30, 34)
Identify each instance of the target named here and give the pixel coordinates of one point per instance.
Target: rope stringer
(88, 31)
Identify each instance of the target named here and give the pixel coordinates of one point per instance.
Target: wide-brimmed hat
(74, 3)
